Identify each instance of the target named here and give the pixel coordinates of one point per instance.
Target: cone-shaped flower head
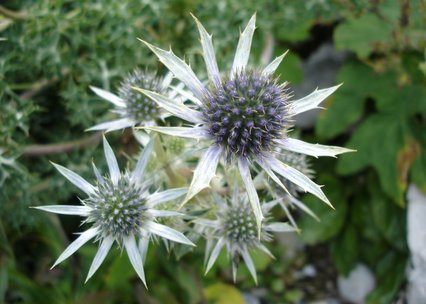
(120, 209)
(243, 114)
(138, 106)
(132, 107)
(247, 113)
(235, 228)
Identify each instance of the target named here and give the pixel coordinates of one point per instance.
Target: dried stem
(41, 85)
(48, 149)
(12, 14)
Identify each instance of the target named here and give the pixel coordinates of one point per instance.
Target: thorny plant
(241, 119)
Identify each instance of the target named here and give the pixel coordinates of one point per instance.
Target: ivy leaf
(377, 134)
(331, 221)
(344, 250)
(359, 83)
(391, 274)
(388, 218)
(364, 35)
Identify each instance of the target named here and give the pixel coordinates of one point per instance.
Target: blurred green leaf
(122, 266)
(221, 293)
(344, 250)
(391, 275)
(187, 282)
(299, 33)
(363, 35)
(347, 103)
(4, 278)
(389, 219)
(331, 221)
(378, 133)
(418, 173)
(422, 65)
(388, 130)
(290, 69)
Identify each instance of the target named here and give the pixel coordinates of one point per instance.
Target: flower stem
(174, 179)
(39, 150)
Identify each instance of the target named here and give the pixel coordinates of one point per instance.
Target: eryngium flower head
(120, 209)
(243, 115)
(138, 106)
(132, 107)
(235, 228)
(247, 113)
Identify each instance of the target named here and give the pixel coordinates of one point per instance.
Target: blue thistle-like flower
(235, 228)
(120, 209)
(247, 113)
(138, 106)
(243, 116)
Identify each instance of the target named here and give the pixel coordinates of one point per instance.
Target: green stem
(163, 158)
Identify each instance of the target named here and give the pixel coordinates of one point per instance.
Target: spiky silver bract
(290, 197)
(216, 119)
(299, 162)
(120, 209)
(235, 229)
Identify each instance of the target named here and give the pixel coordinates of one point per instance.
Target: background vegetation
(53, 50)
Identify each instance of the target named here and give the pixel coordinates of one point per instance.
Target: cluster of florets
(138, 106)
(238, 225)
(247, 113)
(176, 145)
(118, 210)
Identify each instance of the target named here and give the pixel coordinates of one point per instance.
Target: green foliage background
(53, 50)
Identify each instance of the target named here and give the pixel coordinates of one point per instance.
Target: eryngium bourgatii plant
(132, 107)
(235, 228)
(120, 209)
(243, 115)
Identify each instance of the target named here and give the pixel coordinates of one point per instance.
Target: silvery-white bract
(120, 209)
(235, 228)
(290, 198)
(243, 115)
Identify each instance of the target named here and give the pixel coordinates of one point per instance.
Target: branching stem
(49, 149)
